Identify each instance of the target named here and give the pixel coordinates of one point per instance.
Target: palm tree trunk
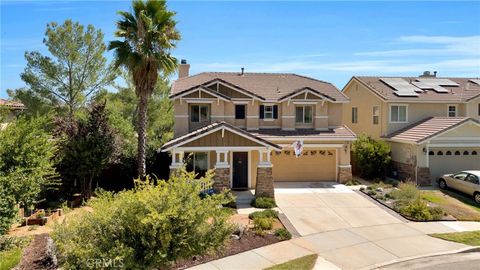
(142, 126)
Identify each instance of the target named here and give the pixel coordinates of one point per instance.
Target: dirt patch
(248, 241)
(37, 255)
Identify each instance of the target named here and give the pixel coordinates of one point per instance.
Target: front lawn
(10, 258)
(302, 263)
(424, 205)
(468, 238)
(453, 204)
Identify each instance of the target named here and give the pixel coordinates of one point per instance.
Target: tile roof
(215, 125)
(11, 104)
(269, 86)
(427, 128)
(466, 90)
(338, 133)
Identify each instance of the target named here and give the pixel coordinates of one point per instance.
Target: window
(465, 153)
(199, 113)
(304, 114)
(268, 111)
(472, 179)
(354, 115)
(431, 153)
(398, 114)
(439, 153)
(460, 176)
(478, 109)
(452, 110)
(197, 162)
(239, 111)
(376, 115)
(474, 153)
(457, 153)
(448, 153)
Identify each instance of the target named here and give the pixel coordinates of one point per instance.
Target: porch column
(177, 161)
(264, 186)
(344, 166)
(221, 179)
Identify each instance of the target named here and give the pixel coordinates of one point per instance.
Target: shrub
(263, 223)
(362, 188)
(283, 234)
(372, 156)
(352, 182)
(148, 227)
(406, 193)
(437, 213)
(263, 202)
(416, 209)
(268, 213)
(230, 200)
(11, 242)
(372, 192)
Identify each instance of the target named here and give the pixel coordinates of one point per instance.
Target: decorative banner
(298, 148)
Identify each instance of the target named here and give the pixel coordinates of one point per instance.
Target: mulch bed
(248, 241)
(36, 255)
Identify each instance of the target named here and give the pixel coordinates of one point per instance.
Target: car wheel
(442, 184)
(476, 197)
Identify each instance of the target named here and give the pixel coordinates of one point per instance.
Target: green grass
(302, 263)
(10, 258)
(468, 238)
(459, 206)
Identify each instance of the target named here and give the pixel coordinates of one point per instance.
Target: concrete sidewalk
(352, 248)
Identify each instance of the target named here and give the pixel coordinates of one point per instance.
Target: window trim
(199, 113)
(354, 115)
(456, 110)
(270, 112)
(303, 114)
(390, 113)
(376, 115)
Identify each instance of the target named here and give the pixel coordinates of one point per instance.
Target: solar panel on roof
(430, 85)
(439, 82)
(476, 81)
(402, 87)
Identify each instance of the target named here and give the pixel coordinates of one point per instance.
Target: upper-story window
(240, 111)
(354, 115)
(199, 113)
(376, 115)
(303, 114)
(452, 110)
(268, 111)
(398, 114)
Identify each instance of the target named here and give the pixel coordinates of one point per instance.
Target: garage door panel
(443, 161)
(319, 166)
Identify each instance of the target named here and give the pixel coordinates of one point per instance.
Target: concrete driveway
(321, 207)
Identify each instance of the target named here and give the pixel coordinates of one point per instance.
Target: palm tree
(148, 35)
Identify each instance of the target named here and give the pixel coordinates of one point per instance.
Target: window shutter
(262, 110)
(275, 111)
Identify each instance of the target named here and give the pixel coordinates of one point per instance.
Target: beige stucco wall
(472, 109)
(364, 100)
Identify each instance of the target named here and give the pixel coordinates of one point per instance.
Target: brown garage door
(313, 165)
(452, 160)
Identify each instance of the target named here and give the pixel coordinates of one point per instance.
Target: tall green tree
(75, 70)
(27, 153)
(148, 35)
(88, 146)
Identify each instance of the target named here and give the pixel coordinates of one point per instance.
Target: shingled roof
(11, 104)
(427, 128)
(465, 91)
(267, 86)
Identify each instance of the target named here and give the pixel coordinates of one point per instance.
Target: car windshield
(460, 176)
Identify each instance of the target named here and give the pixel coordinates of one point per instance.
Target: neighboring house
(8, 110)
(432, 124)
(243, 126)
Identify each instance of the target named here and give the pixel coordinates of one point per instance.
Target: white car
(467, 182)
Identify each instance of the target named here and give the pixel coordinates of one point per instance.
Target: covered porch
(239, 159)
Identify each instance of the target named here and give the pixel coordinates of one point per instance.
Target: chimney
(243, 71)
(434, 74)
(183, 69)
(428, 74)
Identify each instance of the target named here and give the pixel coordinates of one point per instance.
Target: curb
(405, 259)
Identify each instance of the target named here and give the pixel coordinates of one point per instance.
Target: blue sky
(331, 41)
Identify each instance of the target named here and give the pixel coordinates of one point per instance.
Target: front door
(240, 170)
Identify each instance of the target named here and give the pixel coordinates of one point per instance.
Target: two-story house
(431, 123)
(245, 126)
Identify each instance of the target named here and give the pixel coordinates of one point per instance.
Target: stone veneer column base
(221, 179)
(264, 187)
(424, 176)
(406, 172)
(344, 173)
(174, 171)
